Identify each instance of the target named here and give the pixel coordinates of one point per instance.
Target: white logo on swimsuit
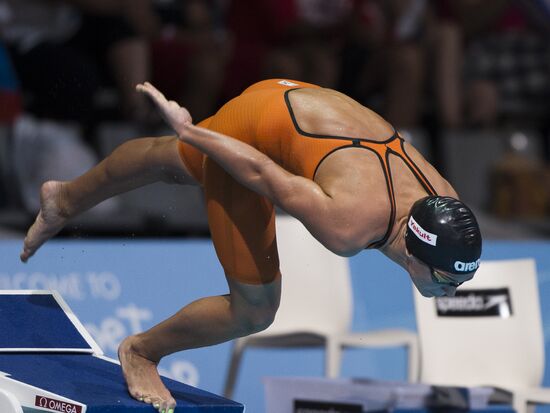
(287, 83)
(421, 233)
(467, 266)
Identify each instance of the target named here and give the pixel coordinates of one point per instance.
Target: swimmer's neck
(395, 249)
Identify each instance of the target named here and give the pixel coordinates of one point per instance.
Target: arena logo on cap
(467, 266)
(421, 233)
(57, 405)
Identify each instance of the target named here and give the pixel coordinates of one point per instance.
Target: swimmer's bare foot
(50, 220)
(142, 377)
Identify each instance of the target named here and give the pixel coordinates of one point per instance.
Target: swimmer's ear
(409, 258)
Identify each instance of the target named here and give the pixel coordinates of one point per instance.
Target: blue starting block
(50, 363)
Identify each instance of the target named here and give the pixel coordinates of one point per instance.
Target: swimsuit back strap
(383, 150)
(383, 155)
(397, 147)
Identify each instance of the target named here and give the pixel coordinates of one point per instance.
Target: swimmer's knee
(256, 318)
(253, 316)
(254, 305)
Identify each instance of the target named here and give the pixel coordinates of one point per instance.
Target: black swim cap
(443, 233)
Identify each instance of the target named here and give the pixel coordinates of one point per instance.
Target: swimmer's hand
(175, 115)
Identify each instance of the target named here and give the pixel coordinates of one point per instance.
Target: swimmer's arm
(324, 215)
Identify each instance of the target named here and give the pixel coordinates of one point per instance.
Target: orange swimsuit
(241, 221)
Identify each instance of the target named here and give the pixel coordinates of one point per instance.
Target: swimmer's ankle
(138, 345)
(63, 203)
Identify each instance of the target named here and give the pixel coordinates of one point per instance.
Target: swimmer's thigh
(162, 154)
(242, 225)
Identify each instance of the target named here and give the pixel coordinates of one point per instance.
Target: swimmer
(335, 165)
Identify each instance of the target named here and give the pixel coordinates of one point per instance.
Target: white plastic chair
(505, 352)
(316, 307)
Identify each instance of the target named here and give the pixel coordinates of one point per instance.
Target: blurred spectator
(363, 54)
(406, 63)
(255, 26)
(189, 54)
(296, 39)
(383, 58)
(519, 184)
(60, 49)
(63, 53)
(360, 47)
(10, 108)
(311, 47)
(446, 39)
(10, 95)
(506, 61)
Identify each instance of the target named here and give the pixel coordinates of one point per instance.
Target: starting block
(50, 363)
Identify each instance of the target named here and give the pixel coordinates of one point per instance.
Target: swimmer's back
(296, 124)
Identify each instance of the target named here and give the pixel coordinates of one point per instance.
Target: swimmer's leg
(133, 164)
(242, 226)
(207, 321)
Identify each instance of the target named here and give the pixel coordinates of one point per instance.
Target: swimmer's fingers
(175, 115)
(152, 92)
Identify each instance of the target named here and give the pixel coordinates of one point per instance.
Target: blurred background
(466, 81)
